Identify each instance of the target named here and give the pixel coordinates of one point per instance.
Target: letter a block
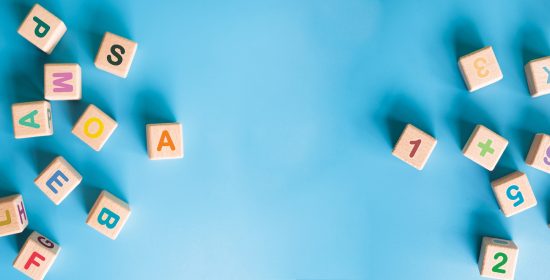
(58, 180)
(414, 147)
(115, 55)
(514, 193)
(485, 147)
(480, 69)
(13, 217)
(42, 29)
(32, 119)
(164, 141)
(36, 256)
(62, 81)
(94, 127)
(498, 258)
(539, 153)
(538, 76)
(108, 215)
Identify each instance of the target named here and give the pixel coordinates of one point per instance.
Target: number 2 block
(164, 141)
(62, 81)
(538, 76)
(480, 69)
(514, 193)
(498, 258)
(414, 147)
(32, 119)
(115, 55)
(13, 216)
(485, 147)
(42, 29)
(94, 127)
(108, 215)
(539, 153)
(36, 256)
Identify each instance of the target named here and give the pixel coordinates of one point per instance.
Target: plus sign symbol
(486, 147)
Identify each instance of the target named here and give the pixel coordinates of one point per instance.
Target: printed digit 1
(546, 158)
(498, 267)
(481, 71)
(518, 197)
(416, 144)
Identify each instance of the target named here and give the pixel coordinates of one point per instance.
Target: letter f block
(108, 215)
(36, 256)
(13, 216)
(42, 29)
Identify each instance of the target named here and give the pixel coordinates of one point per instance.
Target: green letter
(40, 24)
(28, 120)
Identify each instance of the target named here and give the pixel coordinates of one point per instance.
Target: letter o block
(164, 141)
(13, 216)
(62, 81)
(94, 127)
(58, 180)
(108, 215)
(42, 29)
(115, 55)
(36, 256)
(32, 119)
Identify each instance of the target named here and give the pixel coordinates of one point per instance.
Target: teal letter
(40, 24)
(28, 120)
(112, 219)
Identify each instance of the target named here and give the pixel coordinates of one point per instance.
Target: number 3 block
(36, 256)
(498, 258)
(108, 215)
(514, 193)
(414, 147)
(13, 217)
(538, 76)
(480, 69)
(539, 153)
(485, 147)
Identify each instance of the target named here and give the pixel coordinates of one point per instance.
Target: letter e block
(36, 256)
(414, 147)
(485, 147)
(115, 55)
(514, 193)
(42, 29)
(480, 69)
(539, 153)
(537, 73)
(164, 141)
(94, 127)
(498, 258)
(62, 81)
(108, 215)
(32, 119)
(58, 180)
(13, 216)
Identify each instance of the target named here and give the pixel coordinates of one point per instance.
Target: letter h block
(164, 141)
(36, 256)
(108, 215)
(42, 29)
(32, 119)
(58, 180)
(94, 127)
(13, 217)
(115, 55)
(62, 81)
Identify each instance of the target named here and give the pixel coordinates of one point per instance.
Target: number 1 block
(164, 141)
(514, 193)
(537, 73)
(480, 68)
(42, 29)
(108, 215)
(414, 147)
(13, 217)
(32, 119)
(36, 256)
(539, 153)
(485, 147)
(498, 258)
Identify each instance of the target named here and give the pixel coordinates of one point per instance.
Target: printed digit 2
(518, 197)
(416, 144)
(498, 267)
(481, 71)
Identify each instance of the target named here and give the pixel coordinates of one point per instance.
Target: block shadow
(485, 223)
(526, 128)
(101, 177)
(42, 158)
(465, 39)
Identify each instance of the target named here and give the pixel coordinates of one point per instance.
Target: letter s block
(36, 256)
(42, 29)
(94, 127)
(115, 55)
(58, 180)
(108, 215)
(62, 81)
(13, 216)
(164, 141)
(32, 119)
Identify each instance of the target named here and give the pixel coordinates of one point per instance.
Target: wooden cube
(94, 127)
(58, 180)
(42, 29)
(115, 54)
(480, 68)
(539, 153)
(62, 81)
(514, 193)
(498, 258)
(485, 147)
(108, 215)
(13, 216)
(537, 73)
(36, 256)
(164, 141)
(32, 119)
(414, 147)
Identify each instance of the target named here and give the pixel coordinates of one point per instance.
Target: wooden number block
(485, 147)
(414, 147)
(108, 215)
(480, 68)
(36, 256)
(115, 55)
(62, 81)
(514, 193)
(164, 141)
(538, 76)
(498, 258)
(42, 29)
(539, 153)
(13, 216)
(58, 180)
(32, 119)
(94, 127)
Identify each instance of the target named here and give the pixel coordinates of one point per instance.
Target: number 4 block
(485, 147)
(36, 256)
(480, 68)
(498, 258)
(514, 193)
(539, 153)
(108, 215)
(538, 76)
(414, 147)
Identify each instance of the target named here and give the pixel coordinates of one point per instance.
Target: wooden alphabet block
(32, 119)
(115, 55)
(537, 73)
(36, 256)
(94, 127)
(13, 216)
(539, 153)
(58, 180)
(485, 147)
(480, 69)
(498, 258)
(514, 193)
(414, 147)
(164, 141)
(42, 29)
(62, 81)
(108, 215)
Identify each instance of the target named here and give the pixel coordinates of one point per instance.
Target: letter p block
(42, 29)
(108, 215)
(58, 180)
(36, 256)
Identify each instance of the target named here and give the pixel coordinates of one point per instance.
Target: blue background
(290, 111)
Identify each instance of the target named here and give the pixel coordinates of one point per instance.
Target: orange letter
(165, 140)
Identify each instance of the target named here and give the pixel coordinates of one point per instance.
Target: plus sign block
(479, 69)
(414, 147)
(485, 147)
(514, 193)
(13, 216)
(32, 119)
(62, 81)
(498, 258)
(42, 29)
(58, 180)
(94, 127)
(537, 73)
(115, 55)
(539, 153)
(108, 215)
(36, 256)
(164, 141)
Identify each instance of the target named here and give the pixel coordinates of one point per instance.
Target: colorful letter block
(115, 55)
(108, 215)
(414, 147)
(480, 69)
(58, 180)
(539, 153)
(13, 216)
(514, 193)
(485, 147)
(32, 119)
(42, 29)
(498, 258)
(36, 256)
(62, 81)
(164, 141)
(538, 76)
(94, 127)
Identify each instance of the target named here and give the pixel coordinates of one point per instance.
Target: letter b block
(32, 119)
(108, 215)
(164, 141)
(58, 180)
(115, 55)
(42, 29)
(498, 258)
(36, 256)
(94, 127)
(13, 217)
(62, 81)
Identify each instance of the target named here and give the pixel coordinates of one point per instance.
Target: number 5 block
(498, 258)
(485, 147)
(538, 76)
(414, 147)
(514, 193)
(480, 68)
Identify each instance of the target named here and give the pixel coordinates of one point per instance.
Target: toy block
(36, 256)
(42, 29)
(539, 153)
(62, 81)
(485, 147)
(32, 119)
(514, 193)
(13, 216)
(164, 141)
(498, 258)
(58, 180)
(115, 54)
(94, 127)
(537, 73)
(480, 68)
(414, 147)
(108, 215)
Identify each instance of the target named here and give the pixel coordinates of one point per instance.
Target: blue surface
(290, 111)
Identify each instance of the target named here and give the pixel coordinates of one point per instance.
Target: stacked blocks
(498, 258)
(94, 127)
(13, 216)
(32, 119)
(485, 147)
(62, 81)
(414, 147)
(537, 73)
(480, 69)
(42, 29)
(539, 153)
(108, 215)
(115, 55)
(164, 141)
(514, 193)
(58, 180)
(36, 256)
